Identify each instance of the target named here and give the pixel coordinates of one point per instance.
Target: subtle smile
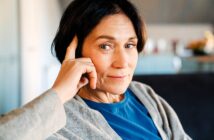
(117, 76)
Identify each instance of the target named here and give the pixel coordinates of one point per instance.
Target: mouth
(117, 76)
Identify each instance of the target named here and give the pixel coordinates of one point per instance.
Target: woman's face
(112, 47)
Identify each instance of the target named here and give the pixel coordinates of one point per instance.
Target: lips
(117, 76)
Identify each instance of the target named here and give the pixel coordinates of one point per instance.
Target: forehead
(118, 26)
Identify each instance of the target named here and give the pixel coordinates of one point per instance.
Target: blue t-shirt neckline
(129, 117)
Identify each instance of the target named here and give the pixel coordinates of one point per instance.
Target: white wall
(39, 23)
(9, 56)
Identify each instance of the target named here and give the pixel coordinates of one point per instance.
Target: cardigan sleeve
(36, 120)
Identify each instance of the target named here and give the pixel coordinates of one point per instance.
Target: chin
(115, 88)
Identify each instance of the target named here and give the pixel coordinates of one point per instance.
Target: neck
(99, 96)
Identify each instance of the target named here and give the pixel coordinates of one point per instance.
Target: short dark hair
(82, 16)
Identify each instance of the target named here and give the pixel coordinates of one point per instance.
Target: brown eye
(129, 46)
(105, 47)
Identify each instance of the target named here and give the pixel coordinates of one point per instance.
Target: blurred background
(180, 41)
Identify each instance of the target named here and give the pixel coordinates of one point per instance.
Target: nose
(120, 59)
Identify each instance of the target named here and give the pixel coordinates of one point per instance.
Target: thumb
(84, 81)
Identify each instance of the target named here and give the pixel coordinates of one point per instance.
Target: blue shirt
(129, 118)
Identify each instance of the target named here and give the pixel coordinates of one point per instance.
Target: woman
(97, 42)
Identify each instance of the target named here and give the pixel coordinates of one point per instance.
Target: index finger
(71, 49)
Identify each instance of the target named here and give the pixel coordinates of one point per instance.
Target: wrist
(59, 94)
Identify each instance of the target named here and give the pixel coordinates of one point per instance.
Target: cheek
(96, 58)
(101, 63)
(133, 60)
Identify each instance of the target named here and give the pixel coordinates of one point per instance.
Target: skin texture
(109, 59)
(112, 48)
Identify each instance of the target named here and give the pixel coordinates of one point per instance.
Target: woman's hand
(70, 79)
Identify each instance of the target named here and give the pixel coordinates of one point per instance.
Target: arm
(36, 120)
(45, 115)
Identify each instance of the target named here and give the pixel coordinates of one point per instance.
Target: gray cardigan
(46, 118)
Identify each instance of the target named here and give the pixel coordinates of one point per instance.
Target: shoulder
(145, 94)
(142, 88)
(136, 84)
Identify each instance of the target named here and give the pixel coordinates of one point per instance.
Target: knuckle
(76, 63)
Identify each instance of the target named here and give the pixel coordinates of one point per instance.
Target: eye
(130, 45)
(105, 47)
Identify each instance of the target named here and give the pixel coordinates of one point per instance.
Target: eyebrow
(112, 38)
